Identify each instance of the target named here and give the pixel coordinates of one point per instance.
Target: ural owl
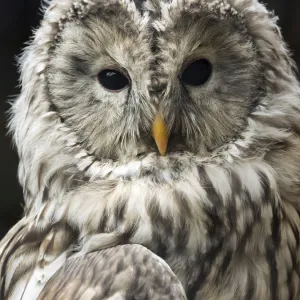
(159, 146)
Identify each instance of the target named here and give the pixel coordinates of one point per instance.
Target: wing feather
(121, 272)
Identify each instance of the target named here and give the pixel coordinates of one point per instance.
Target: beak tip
(162, 152)
(160, 135)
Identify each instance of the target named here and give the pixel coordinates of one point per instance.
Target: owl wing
(120, 272)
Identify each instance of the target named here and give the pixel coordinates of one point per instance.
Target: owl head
(118, 68)
(108, 84)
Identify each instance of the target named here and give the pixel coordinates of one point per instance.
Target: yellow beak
(160, 134)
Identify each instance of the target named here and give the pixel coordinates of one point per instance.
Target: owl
(159, 146)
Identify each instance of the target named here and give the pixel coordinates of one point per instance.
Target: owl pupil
(197, 73)
(112, 80)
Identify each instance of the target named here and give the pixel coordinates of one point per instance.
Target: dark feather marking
(182, 236)
(129, 233)
(266, 186)
(53, 107)
(3, 266)
(161, 248)
(270, 199)
(236, 191)
(30, 237)
(139, 4)
(89, 272)
(272, 248)
(290, 284)
(205, 262)
(40, 172)
(26, 266)
(225, 263)
(119, 212)
(276, 222)
(255, 208)
(215, 220)
(214, 223)
(271, 259)
(250, 288)
(103, 222)
(107, 283)
(295, 261)
(135, 282)
(212, 194)
(120, 266)
(162, 229)
(273, 243)
(245, 238)
(45, 196)
(8, 245)
(87, 167)
(294, 228)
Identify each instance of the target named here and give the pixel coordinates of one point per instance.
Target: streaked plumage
(222, 208)
(127, 272)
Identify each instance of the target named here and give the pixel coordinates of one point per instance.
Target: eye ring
(113, 80)
(197, 72)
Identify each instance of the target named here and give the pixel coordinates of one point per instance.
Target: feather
(217, 217)
(121, 272)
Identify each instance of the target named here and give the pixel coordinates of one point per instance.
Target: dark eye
(197, 73)
(113, 80)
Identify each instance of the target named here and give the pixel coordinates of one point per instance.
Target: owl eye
(112, 80)
(197, 73)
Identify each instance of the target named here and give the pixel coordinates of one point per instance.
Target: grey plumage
(127, 272)
(222, 208)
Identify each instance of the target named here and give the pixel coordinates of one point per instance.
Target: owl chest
(206, 236)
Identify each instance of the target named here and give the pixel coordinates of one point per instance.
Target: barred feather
(224, 214)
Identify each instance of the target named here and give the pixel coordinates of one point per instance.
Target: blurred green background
(17, 18)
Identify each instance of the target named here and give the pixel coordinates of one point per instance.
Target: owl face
(115, 70)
